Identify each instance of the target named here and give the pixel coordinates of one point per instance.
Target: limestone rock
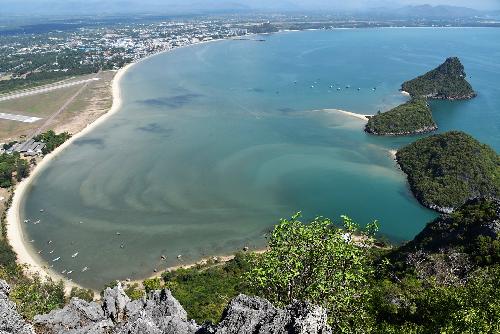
(11, 322)
(256, 315)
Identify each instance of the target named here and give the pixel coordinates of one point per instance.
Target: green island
(446, 170)
(446, 82)
(412, 117)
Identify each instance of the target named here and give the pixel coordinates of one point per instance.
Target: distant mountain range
(426, 11)
(172, 7)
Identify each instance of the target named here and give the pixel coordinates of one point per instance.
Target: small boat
(179, 256)
(70, 272)
(32, 240)
(64, 271)
(26, 220)
(49, 242)
(40, 251)
(359, 89)
(81, 222)
(338, 88)
(312, 86)
(36, 222)
(52, 251)
(56, 259)
(118, 233)
(331, 86)
(85, 269)
(42, 210)
(122, 246)
(374, 88)
(74, 255)
(348, 86)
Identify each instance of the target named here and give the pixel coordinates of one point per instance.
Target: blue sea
(216, 142)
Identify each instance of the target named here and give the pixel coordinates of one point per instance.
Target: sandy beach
(25, 254)
(359, 116)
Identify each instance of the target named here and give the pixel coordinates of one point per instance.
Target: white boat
(62, 272)
(26, 220)
(74, 255)
(36, 222)
(85, 269)
(56, 259)
(52, 251)
(69, 272)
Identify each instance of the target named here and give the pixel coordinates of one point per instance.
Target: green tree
(320, 263)
(85, 294)
(152, 284)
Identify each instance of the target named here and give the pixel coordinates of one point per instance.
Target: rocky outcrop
(10, 321)
(160, 313)
(256, 315)
(157, 313)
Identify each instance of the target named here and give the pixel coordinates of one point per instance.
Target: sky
(111, 6)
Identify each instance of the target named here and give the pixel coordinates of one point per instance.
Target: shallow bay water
(216, 142)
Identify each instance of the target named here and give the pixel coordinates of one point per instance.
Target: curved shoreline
(15, 234)
(26, 255)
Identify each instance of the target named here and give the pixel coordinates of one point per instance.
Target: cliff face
(160, 313)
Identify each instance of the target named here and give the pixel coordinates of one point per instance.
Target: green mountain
(446, 170)
(446, 82)
(412, 117)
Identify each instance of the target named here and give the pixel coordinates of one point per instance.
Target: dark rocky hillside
(446, 82)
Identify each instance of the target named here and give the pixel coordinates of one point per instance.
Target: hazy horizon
(43, 7)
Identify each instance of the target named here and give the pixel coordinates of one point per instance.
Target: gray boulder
(158, 313)
(78, 317)
(10, 321)
(256, 315)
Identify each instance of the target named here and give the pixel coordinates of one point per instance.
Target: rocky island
(412, 117)
(447, 170)
(446, 82)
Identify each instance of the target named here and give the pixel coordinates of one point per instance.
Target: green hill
(446, 82)
(446, 170)
(412, 117)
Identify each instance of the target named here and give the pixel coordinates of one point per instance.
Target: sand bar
(353, 114)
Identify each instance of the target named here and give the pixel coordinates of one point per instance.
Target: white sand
(25, 254)
(359, 116)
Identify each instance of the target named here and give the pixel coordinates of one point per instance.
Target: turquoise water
(216, 142)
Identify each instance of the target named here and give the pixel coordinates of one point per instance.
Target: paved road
(44, 89)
